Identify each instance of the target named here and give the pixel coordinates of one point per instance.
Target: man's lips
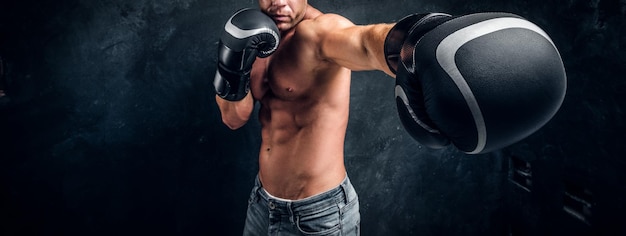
(280, 18)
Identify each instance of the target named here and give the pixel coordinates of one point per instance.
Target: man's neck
(312, 13)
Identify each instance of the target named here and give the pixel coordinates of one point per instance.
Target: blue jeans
(335, 212)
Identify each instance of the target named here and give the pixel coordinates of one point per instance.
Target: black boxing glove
(409, 99)
(247, 34)
(481, 81)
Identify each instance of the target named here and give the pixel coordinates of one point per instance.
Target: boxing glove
(480, 81)
(248, 34)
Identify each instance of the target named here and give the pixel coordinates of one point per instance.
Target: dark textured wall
(109, 127)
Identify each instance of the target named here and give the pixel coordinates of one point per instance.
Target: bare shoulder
(322, 26)
(331, 20)
(329, 36)
(326, 22)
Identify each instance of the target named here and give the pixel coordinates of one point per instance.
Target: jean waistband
(343, 193)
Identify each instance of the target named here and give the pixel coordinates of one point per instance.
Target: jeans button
(271, 205)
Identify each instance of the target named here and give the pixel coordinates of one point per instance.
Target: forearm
(374, 43)
(235, 114)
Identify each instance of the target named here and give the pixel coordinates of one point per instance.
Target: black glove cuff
(399, 32)
(230, 85)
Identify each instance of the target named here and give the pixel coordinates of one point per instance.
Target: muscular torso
(304, 113)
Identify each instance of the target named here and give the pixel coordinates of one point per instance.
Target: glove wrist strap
(231, 85)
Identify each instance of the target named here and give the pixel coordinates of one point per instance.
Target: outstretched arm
(356, 47)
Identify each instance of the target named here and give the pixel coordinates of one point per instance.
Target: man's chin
(283, 26)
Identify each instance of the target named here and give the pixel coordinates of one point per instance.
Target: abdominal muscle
(303, 115)
(302, 147)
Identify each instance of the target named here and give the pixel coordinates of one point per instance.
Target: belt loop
(256, 189)
(345, 191)
(291, 215)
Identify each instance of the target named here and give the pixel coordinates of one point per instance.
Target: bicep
(345, 47)
(355, 47)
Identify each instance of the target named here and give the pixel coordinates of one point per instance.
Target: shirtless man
(302, 81)
(304, 91)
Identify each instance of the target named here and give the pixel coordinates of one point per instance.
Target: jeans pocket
(324, 222)
(351, 218)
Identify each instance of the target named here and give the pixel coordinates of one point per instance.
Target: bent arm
(356, 47)
(235, 114)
